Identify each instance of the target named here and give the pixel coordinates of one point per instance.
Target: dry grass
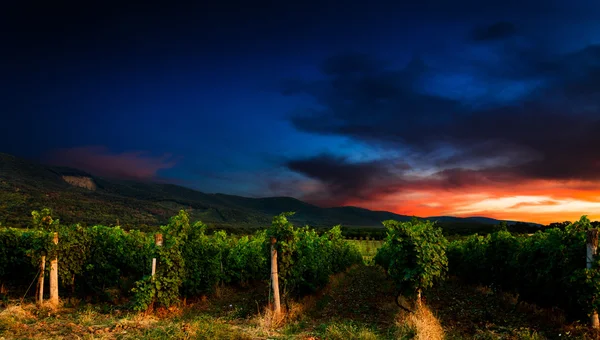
(297, 309)
(144, 320)
(423, 322)
(31, 322)
(268, 320)
(294, 310)
(15, 315)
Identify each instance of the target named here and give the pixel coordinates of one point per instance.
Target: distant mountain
(77, 196)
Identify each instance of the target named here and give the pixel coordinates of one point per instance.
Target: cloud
(547, 202)
(533, 205)
(374, 105)
(547, 134)
(100, 161)
(543, 134)
(346, 181)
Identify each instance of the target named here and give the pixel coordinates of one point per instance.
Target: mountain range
(76, 196)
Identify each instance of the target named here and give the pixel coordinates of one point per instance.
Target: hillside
(76, 196)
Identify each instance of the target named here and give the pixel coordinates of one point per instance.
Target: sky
(426, 108)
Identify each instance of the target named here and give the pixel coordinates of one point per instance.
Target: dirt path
(363, 295)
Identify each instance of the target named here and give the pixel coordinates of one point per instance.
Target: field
(357, 304)
(217, 286)
(367, 248)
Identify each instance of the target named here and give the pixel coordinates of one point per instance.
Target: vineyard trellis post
(158, 241)
(592, 250)
(40, 296)
(275, 277)
(54, 276)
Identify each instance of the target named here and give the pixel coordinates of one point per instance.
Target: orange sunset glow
(536, 201)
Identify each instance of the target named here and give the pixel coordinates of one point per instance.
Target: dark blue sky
(366, 103)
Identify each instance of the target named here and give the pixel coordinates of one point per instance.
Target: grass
(357, 304)
(25, 322)
(368, 248)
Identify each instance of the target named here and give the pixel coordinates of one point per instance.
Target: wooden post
(158, 241)
(54, 277)
(275, 277)
(592, 250)
(40, 297)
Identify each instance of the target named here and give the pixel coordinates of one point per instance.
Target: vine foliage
(546, 268)
(413, 255)
(164, 287)
(307, 259)
(110, 264)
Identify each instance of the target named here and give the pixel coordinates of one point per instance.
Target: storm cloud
(548, 132)
(346, 180)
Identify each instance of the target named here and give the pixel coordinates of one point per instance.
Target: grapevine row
(109, 263)
(547, 268)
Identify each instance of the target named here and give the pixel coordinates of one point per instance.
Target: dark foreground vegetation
(546, 268)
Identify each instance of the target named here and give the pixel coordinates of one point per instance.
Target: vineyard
(546, 268)
(108, 263)
(368, 248)
(181, 264)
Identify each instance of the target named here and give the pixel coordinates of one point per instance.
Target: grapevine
(413, 255)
